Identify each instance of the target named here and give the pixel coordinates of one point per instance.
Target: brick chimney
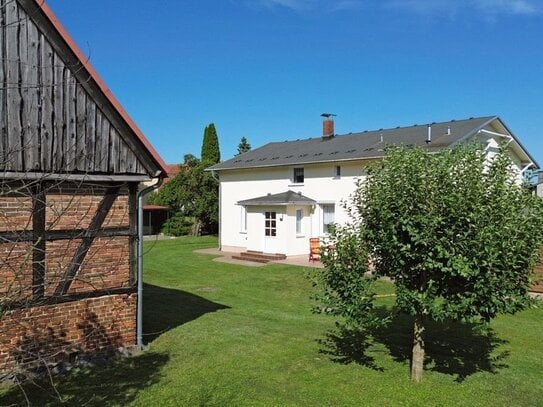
(327, 125)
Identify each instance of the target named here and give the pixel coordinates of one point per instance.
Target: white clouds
(447, 7)
(301, 5)
(452, 7)
(508, 6)
(292, 4)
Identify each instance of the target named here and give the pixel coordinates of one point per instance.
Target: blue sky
(267, 69)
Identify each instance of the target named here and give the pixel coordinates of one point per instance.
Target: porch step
(259, 257)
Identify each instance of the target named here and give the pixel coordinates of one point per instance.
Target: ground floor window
(299, 221)
(270, 226)
(243, 219)
(328, 216)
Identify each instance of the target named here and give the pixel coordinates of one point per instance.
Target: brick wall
(61, 330)
(54, 333)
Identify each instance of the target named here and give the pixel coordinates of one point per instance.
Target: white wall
(320, 184)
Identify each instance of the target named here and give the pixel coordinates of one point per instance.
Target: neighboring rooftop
(173, 169)
(353, 146)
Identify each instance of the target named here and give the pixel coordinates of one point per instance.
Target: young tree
(243, 146)
(193, 192)
(210, 146)
(453, 230)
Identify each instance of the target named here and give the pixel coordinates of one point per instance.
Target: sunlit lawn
(229, 335)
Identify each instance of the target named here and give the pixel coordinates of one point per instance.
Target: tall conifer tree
(243, 146)
(210, 146)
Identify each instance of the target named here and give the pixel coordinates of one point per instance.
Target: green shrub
(178, 225)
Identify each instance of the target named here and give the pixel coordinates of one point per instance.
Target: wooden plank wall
(48, 121)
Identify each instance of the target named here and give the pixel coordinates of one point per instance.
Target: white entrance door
(270, 232)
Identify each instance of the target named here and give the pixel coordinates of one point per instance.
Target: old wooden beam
(69, 298)
(86, 241)
(52, 235)
(58, 44)
(38, 241)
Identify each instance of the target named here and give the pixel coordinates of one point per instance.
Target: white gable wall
(320, 184)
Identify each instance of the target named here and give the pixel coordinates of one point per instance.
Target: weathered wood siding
(48, 121)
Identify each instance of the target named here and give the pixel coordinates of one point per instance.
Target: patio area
(226, 257)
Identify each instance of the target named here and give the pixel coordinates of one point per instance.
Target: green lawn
(229, 335)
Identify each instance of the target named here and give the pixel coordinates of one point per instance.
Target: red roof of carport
(101, 84)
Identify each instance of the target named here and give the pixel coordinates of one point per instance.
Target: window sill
(300, 236)
(296, 185)
(243, 232)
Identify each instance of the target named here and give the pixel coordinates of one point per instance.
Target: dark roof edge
(294, 164)
(482, 126)
(519, 143)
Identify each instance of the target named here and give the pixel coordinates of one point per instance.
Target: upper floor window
(337, 171)
(298, 175)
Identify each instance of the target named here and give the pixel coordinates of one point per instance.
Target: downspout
(139, 321)
(214, 175)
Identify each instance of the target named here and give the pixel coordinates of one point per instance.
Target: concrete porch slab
(226, 257)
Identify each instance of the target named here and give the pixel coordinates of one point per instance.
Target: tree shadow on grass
(458, 349)
(116, 383)
(167, 308)
(346, 345)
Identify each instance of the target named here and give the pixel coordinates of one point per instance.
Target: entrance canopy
(282, 199)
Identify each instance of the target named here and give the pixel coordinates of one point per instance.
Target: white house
(276, 197)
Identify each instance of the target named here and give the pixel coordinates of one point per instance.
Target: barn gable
(56, 115)
(71, 166)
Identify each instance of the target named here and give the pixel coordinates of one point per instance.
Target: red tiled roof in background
(173, 169)
(101, 84)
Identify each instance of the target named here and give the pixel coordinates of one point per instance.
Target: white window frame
(300, 222)
(243, 220)
(324, 216)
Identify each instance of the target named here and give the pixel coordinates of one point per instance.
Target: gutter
(139, 318)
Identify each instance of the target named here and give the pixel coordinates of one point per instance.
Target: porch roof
(283, 198)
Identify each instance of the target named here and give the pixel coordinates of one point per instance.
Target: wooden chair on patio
(314, 249)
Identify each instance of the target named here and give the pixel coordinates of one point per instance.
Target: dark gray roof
(284, 198)
(354, 146)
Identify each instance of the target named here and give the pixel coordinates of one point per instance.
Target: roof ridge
(419, 125)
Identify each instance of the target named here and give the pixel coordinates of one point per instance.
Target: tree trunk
(196, 227)
(417, 360)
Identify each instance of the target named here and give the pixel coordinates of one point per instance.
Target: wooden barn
(71, 166)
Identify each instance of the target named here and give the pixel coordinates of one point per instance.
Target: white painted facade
(244, 228)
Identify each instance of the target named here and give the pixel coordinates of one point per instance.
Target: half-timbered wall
(48, 121)
(66, 269)
(70, 163)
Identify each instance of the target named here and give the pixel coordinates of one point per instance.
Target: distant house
(71, 166)
(538, 187)
(154, 216)
(274, 198)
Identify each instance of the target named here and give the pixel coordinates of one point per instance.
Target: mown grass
(230, 335)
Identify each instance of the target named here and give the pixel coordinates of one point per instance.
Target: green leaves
(210, 146)
(344, 288)
(453, 229)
